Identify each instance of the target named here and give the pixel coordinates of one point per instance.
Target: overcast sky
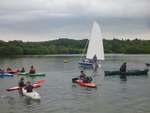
(39, 20)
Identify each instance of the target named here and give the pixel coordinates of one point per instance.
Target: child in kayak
(32, 70)
(2, 71)
(29, 87)
(21, 85)
(22, 70)
(82, 76)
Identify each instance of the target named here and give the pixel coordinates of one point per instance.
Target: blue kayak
(3, 75)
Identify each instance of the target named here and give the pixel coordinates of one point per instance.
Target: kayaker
(2, 71)
(29, 87)
(32, 70)
(9, 69)
(22, 70)
(82, 76)
(21, 85)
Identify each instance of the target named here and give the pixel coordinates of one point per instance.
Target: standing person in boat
(123, 69)
(29, 87)
(21, 85)
(95, 63)
(32, 70)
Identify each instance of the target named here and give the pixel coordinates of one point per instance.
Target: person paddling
(32, 70)
(9, 69)
(22, 70)
(21, 85)
(29, 87)
(82, 76)
(2, 71)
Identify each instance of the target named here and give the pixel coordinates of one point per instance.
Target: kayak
(129, 73)
(2, 75)
(35, 85)
(32, 95)
(31, 75)
(84, 84)
(15, 71)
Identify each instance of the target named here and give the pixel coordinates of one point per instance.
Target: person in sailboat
(95, 58)
(95, 63)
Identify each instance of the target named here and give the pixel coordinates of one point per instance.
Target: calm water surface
(59, 95)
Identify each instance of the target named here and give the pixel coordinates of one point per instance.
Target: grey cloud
(72, 17)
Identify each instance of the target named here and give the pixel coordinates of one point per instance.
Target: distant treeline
(70, 46)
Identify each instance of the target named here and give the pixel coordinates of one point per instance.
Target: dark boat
(129, 73)
(147, 64)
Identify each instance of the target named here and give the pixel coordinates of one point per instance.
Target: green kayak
(31, 75)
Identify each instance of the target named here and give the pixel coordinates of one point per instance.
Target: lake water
(59, 95)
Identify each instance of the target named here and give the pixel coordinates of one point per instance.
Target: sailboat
(95, 47)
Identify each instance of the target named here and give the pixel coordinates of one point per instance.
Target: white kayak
(34, 95)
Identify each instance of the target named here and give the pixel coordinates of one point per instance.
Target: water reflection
(123, 78)
(59, 95)
(29, 101)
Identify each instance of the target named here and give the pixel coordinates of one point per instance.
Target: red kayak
(35, 85)
(13, 71)
(84, 84)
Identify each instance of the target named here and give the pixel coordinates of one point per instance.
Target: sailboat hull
(85, 64)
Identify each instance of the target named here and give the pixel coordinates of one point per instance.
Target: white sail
(95, 46)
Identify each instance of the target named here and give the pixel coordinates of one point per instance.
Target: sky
(41, 20)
